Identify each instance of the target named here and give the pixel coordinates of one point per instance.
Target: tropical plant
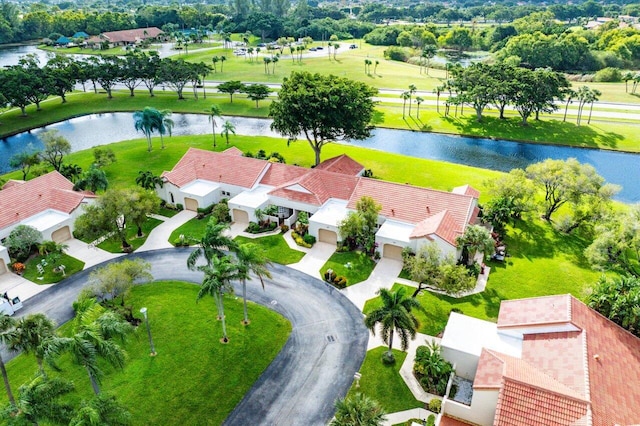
(228, 127)
(165, 126)
(31, 336)
(148, 120)
(394, 315)
(93, 180)
(358, 410)
(618, 298)
(101, 410)
(212, 243)
(94, 330)
(213, 112)
(476, 239)
(7, 327)
(218, 275)
(147, 180)
(431, 369)
(38, 401)
(251, 259)
(48, 247)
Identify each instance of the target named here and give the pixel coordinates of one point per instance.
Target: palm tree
(32, 333)
(375, 68)
(274, 61)
(251, 259)
(38, 400)
(394, 315)
(266, 61)
(213, 112)
(476, 239)
(405, 97)
(336, 46)
(218, 275)
(419, 100)
(148, 120)
(627, 77)
(358, 410)
(147, 180)
(7, 325)
(215, 61)
(228, 127)
(93, 333)
(250, 53)
(212, 243)
(412, 90)
(102, 409)
(222, 59)
(166, 124)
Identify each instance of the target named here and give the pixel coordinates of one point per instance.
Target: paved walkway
(159, 237)
(315, 258)
(384, 275)
(16, 286)
(403, 416)
(88, 254)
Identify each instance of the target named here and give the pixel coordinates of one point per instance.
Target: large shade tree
(323, 108)
(394, 315)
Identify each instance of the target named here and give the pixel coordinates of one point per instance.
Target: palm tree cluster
(149, 120)
(94, 330)
(221, 269)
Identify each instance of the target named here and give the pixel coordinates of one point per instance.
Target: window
(226, 194)
(173, 201)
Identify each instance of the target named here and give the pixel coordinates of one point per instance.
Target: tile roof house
(125, 37)
(410, 216)
(548, 361)
(48, 203)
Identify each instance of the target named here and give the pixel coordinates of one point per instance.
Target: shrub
(340, 281)
(221, 211)
(179, 207)
(435, 405)
(206, 210)
(22, 241)
(309, 239)
(388, 358)
(431, 420)
(329, 275)
(284, 228)
(298, 239)
(253, 228)
(368, 173)
(395, 53)
(182, 241)
(431, 369)
(18, 267)
(608, 75)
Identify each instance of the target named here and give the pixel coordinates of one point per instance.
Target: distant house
(80, 35)
(125, 37)
(48, 203)
(410, 217)
(63, 41)
(548, 361)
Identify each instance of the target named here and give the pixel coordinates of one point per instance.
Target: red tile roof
(233, 151)
(279, 174)
(450, 421)
(319, 185)
(131, 36)
(51, 191)
(216, 167)
(12, 182)
(535, 311)
(442, 224)
(466, 190)
(341, 164)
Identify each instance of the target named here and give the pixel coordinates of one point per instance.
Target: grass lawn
(115, 245)
(194, 228)
(168, 212)
(72, 265)
(275, 248)
(383, 382)
(194, 380)
(360, 269)
(542, 262)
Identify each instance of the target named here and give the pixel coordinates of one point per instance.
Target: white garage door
(240, 216)
(391, 251)
(326, 236)
(62, 234)
(190, 204)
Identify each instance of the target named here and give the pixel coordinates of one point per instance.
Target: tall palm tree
(93, 332)
(147, 180)
(222, 59)
(165, 125)
(148, 120)
(394, 315)
(412, 91)
(228, 127)
(38, 400)
(212, 243)
(419, 100)
(102, 409)
(217, 281)
(358, 410)
(405, 97)
(32, 334)
(213, 112)
(251, 259)
(7, 325)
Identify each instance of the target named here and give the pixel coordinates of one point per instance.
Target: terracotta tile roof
(12, 182)
(441, 224)
(233, 151)
(318, 187)
(466, 190)
(523, 405)
(131, 36)
(216, 167)
(341, 164)
(279, 174)
(50, 191)
(450, 421)
(535, 311)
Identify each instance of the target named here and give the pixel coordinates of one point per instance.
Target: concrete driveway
(316, 366)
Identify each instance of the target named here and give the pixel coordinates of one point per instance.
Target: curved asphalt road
(315, 367)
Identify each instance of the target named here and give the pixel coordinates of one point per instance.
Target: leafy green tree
(93, 180)
(115, 280)
(618, 298)
(36, 79)
(7, 326)
(108, 71)
(102, 157)
(176, 73)
(56, 147)
(511, 194)
(458, 38)
(257, 92)
(250, 259)
(39, 401)
(424, 266)
(62, 72)
(394, 316)
(212, 243)
(147, 180)
(14, 90)
(94, 331)
(324, 108)
(31, 335)
(455, 279)
(22, 241)
(213, 112)
(476, 239)
(218, 275)
(358, 410)
(148, 121)
(231, 87)
(143, 203)
(228, 127)
(133, 71)
(102, 410)
(150, 71)
(71, 171)
(359, 227)
(24, 160)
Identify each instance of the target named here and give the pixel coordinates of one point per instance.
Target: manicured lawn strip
(194, 377)
(383, 382)
(194, 228)
(115, 246)
(361, 266)
(72, 265)
(275, 249)
(168, 212)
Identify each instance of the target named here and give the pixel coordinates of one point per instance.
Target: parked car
(313, 49)
(319, 48)
(353, 46)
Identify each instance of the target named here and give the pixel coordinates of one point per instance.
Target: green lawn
(194, 229)
(359, 269)
(115, 246)
(275, 248)
(195, 379)
(383, 382)
(168, 212)
(72, 265)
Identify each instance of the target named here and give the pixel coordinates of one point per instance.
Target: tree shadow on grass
(529, 239)
(377, 117)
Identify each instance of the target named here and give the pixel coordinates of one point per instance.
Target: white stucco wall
(4, 255)
(214, 197)
(466, 363)
(482, 409)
